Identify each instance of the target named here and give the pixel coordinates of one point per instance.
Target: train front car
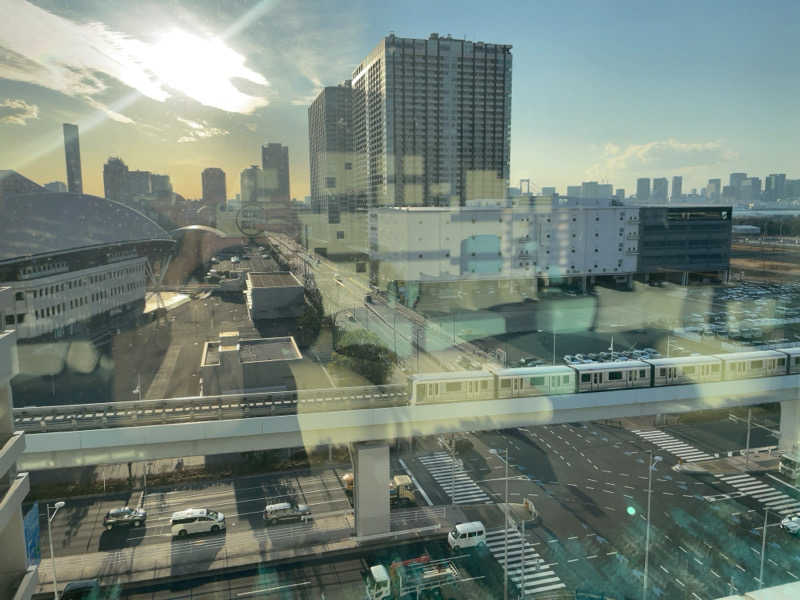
(685, 370)
(749, 365)
(596, 377)
(459, 386)
(535, 381)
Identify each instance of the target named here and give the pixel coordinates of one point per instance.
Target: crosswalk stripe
(673, 445)
(452, 479)
(537, 575)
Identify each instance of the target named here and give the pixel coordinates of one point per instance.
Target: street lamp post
(58, 505)
(505, 537)
(763, 548)
(651, 468)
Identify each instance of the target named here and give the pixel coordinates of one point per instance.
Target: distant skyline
(605, 92)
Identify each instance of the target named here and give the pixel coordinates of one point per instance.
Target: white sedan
(791, 524)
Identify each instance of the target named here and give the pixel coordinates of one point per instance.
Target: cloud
(74, 58)
(17, 112)
(199, 130)
(665, 155)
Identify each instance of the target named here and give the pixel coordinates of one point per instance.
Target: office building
(56, 186)
(643, 190)
(774, 187)
(660, 192)
(431, 121)
(749, 190)
(548, 191)
(735, 182)
(18, 573)
(72, 151)
(677, 188)
(253, 185)
(619, 194)
(160, 184)
(714, 190)
(139, 183)
(574, 191)
(275, 165)
(676, 242)
(214, 192)
(330, 140)
(115, 180)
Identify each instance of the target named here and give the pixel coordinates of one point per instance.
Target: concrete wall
(371, 494)
(118, 445)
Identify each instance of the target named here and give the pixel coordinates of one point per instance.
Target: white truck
(410, 578)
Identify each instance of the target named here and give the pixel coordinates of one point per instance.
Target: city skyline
(165, 124)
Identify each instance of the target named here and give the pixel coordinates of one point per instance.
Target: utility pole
(505, 536)
(763, 549)
(747, 451)
(647, 534)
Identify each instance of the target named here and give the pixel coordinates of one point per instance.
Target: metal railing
(73, 417)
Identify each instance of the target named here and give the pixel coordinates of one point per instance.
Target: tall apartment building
(714, 190)
(214, 192)
(774, 187)
(160, 184)
(330, 140)
(72, 151)
(275, 164)
(431, 121)
(660, 190)
(56, 186)
(677, 187)
(139, 183)
(115, 180)
(643, 190)
(17, 579)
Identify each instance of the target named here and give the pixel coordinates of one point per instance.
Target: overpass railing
(74, 417)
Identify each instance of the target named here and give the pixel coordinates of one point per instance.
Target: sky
(606, 91)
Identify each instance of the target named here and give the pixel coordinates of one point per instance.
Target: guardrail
(73, 417)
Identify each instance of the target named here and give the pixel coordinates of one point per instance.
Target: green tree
(362, 352)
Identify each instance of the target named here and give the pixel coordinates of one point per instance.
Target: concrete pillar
(371, 493)
(629, 282)
(685, 278)
(12, 548)
(790, 426)
(647, 277)
(583, 284)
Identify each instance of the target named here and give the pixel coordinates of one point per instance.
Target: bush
(363, 353)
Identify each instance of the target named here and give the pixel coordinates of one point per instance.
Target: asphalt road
(78, 527)
(589, 482)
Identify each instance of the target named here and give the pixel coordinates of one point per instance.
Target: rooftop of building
(272, 280)
(277, 349)
(40, 223)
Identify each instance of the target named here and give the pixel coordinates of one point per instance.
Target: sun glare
(203, 68)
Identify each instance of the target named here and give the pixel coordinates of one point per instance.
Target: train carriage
(463, 386)
(685, 370)
(748, 365)
(534, 381)
(794, 358)
(595, 377)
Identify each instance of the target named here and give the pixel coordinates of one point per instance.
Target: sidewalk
(180, 558)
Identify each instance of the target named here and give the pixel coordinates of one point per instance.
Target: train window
(688, 370)
(641, 373)
(585, 377)
(781, 362)
(796, 360)
(537, 381)
(715, 368)
(505, 383)
(453, 387)
(565, 379)
(614, 375)
(662, 372)
(484, 385)
(757, 364)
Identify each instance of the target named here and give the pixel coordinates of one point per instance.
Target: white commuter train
(466, 386)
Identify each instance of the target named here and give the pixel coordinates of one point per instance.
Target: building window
(330, 182)
(340, 235)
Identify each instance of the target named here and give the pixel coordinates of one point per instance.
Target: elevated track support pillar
(371, 493)
(790, 425)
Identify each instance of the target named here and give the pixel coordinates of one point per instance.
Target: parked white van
(196, 520)
(466, 535)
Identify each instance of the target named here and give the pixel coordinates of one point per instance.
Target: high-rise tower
(72, 150)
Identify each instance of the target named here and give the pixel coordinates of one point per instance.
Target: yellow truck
(401, 489)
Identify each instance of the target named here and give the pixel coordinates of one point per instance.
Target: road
(589, 482)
